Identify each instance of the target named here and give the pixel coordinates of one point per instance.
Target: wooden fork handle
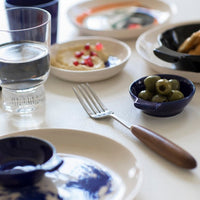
(164, 147)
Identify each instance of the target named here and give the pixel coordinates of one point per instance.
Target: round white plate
(99, 18)
(149, 41)
(108, 155)
(112, 47)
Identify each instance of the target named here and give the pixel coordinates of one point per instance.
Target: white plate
(149, 41)
(98, 17)
(109, 155)
(113, 48)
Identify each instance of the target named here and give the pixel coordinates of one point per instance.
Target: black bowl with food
(162, 95)
(181, 45)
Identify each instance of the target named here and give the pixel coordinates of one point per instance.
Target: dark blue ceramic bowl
(24, 160)
(170, 40)
(165, 109)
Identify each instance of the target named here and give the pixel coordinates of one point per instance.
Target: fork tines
(88, 99)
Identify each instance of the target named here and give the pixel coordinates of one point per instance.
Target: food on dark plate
(159, 89)
(191, 45)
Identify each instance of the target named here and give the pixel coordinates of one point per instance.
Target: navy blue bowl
(170, 40)
(165, 109)
(24, 160)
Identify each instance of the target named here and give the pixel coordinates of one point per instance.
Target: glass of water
(24, 58)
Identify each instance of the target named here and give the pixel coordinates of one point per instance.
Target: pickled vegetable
(159, 98)
(160, 90)
(150, 81)
(146, 95)
(175, 84)
(163, 87)
(175, 95)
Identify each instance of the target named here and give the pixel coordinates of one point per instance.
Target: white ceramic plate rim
(123, 33)
(64, 135)
(93, 75)
(149, 40)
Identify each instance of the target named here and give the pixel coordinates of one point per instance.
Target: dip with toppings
(80, 57)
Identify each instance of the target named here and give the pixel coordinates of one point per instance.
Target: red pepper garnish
(78, 54)
(76, 63)
(88, 62)
(132, 26)
(99, 46)
(92, 53)
(87, 46)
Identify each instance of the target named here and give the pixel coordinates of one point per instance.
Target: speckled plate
(89, 172)
(120, 19)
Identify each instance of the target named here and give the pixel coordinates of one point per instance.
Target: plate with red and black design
(119, 19)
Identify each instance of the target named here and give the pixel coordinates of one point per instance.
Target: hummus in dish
(79, 57)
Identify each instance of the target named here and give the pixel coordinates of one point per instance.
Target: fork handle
(164, 147)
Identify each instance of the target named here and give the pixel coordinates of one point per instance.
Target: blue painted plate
(95, 168)
(78, 178)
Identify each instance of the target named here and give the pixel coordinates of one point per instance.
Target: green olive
(159, 98)
(175, 95)
(175, 84)
(145, 94)
(163, 87)
(150, 81)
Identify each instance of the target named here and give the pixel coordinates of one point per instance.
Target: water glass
(25, 35)
(50, 5)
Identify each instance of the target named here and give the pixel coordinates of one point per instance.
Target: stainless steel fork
(161, 145)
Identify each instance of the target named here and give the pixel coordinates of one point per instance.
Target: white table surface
(162, 180)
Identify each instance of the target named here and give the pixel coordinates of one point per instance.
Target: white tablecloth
(162, 180)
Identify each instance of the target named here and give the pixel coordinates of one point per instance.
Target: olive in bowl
(171, 42)
(24, 160)
(170, 104)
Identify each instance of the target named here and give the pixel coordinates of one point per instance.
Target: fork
(161, 145)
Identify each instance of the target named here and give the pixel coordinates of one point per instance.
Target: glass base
(30, 120)
(23, 101)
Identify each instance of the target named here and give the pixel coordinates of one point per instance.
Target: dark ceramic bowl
(24, 160)
(165, 109)
(170, 40)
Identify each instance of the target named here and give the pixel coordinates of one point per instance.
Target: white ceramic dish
(149, 41)
(94, 17)
(113, 47)
(75, 144)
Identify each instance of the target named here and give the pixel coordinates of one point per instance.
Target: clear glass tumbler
(25, 37)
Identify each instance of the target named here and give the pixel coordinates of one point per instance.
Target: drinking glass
(25, 34)
(50, 5)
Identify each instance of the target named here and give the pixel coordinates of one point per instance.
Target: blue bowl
(165, 109)
(24, 160)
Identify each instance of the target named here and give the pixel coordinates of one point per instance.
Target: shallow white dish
(149, 41)
(94, 17)
(114, 156)
(113, 47)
